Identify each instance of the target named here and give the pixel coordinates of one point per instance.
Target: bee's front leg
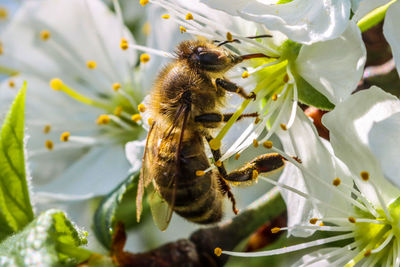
(217, 117)
(234, 88)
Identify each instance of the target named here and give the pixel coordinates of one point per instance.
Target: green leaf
(283, 2)
(119, 205)
(310, 96)
(15, 206)
(50, 240)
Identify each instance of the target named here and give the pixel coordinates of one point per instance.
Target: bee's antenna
(237, 41)
(260, 36)
(227, 41)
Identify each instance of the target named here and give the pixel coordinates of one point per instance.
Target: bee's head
(206, 56)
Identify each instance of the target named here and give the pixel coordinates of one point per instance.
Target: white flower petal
(336, 75)
(391, 31)
(134, 153)
(303, 21)
(317, 259)
(302, 140)
(92, 173)
(384, 141)
(349, 124)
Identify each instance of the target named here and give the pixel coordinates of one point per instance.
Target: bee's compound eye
(209, 58)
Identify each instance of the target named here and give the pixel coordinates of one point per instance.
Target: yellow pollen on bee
(141, 108)
(65, 136)
(49, 144)
(117, 111)
(313, 220)
(11, 83)
(144, 58)
(144, 2)
(136, 117)
(364, 175)
(200, 173)
(237, 156)
(336, 181)
(189, 16)
(257, 120)
(3, 13)
(218, 251)
(56, 84)
(103, 119)
(124, 44)
(245, 74)
(285, 78)
(182, 29)
(283, 126)
(150, 121)
(229, 36)
(352, 219)
(367, 253)
(166, 16)
(254, 174)
(45, 35)
(215, 144)
(146, 29)
(275, 230)
(255, 143)
(268, 144)
(91, 64)
(218, 163)
(116, 86)
(47, 128)
(274, 97)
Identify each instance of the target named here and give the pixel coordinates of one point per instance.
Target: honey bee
(185, 103)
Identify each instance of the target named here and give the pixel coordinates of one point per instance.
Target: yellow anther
(166, 16)
(144, 58)
(218, 251)
(237, 156)
(215, 144)
(47, 128)
(274, 97)
(103, 119)
(136, 117)
(189, 16)
(124, 44)
(285, 78)
(257, 120)
(283, 126)
(367, 253)
(182, 29)
(364, 175)
(268, 144)
(254, 174)
(218, 163)
(255, 143)
(229, 36)
(352, 219)
(91, 64)
(141, 108)
(117, 111)
(144, 2)
(200, 173)
(150, 121)
(313, 220)
(1, 48)
(336, 181)
(65, 136)
(321, 224)
(49, 144)
(146, 29)
(3, 13)
(245, 74)
(275, 230)
(45, 35)
(116, 86)
(56, 84)
(11, 83)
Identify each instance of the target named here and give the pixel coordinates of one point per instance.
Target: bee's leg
(234, 88)
(217, 117)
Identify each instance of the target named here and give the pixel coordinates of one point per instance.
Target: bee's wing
(158, 148)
